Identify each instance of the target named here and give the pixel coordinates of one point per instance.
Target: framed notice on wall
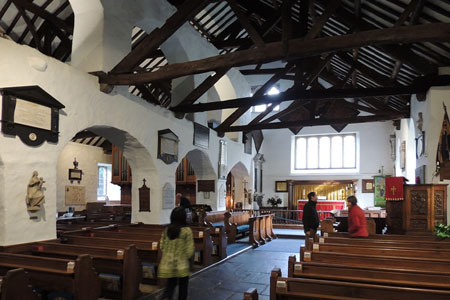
(75, 195)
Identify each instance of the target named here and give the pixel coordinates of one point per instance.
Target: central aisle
(230, 279)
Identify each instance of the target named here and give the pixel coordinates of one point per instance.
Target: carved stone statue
(35, 196)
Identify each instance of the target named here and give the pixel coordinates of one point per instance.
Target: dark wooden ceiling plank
(5, 8)
(147, 95)
(405, 55)
(286, 23)
(36, 39)
(318, 122)
(303, 18)
(301, 95)
(374, 75)
(33, 20)
(323, 19)
(12, 24)
(297, 48)
(158, 36)
(209, 82)
(405, 14)
(267, 71)
(45, 15)
(254, 35)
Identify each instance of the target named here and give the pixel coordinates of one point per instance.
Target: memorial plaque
(168, 196)
(144, 198)
(75, 195)
(206, 185)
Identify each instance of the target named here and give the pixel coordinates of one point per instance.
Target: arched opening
(112, 165)
(194, 178)
(238, 188)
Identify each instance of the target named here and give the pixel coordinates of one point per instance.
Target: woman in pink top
(356, 219)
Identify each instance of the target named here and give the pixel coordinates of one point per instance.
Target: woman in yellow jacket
(177, 247)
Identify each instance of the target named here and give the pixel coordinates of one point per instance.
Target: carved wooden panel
(438, 203)
(419, 203)
(419, 224)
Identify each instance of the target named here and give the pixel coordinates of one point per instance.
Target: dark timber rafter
(241, 110)
(254, 35)
(151, 42)
(297, 48)
(316, 122)
(300, 95)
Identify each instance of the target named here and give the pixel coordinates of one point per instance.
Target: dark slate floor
(230, 279)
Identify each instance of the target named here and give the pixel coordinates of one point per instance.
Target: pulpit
(423, 207)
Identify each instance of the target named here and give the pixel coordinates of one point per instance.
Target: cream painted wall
(87, 157)
(374, 153)
(136, 124)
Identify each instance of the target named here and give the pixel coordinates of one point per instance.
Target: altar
(324, 207)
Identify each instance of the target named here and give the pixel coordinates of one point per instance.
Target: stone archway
(238, 186)
(203, 169)
(137, 156)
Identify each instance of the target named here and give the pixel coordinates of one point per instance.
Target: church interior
(113, 111)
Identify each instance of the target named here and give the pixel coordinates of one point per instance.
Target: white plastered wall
(86, 107)
(374, 152)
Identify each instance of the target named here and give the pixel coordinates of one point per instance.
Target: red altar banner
(394, 189)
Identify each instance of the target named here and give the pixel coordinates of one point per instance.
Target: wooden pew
(51, 274)
(282, 288)
(372, 275)
(251, 294)
(219, 239)
(261, 230)
(15, 285)
(418, 244)
(392, 237)
(236, 222)
(423, 254)
(212, 218)
(203, 240)
(405, 263)
(123, 262)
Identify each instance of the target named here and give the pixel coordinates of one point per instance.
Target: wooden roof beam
(158, 36)
(297, 48)
(260, 92)
(301, 95)
(210, 81)
(317, 122)
(254, 35)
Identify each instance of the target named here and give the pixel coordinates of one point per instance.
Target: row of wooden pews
(104, 261)
(14, 284)
(259, 228)
(70, 278)
(336, 266)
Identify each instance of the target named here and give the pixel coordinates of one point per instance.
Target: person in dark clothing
(185, 203)
(310, 218)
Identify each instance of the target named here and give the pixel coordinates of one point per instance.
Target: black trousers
(183, 284)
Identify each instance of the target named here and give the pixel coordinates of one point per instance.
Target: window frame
(105, 167)
(330, 169)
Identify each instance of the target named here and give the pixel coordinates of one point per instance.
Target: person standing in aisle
(310, 218)
(177, 248)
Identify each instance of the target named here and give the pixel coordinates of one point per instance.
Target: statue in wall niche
(35, 196)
